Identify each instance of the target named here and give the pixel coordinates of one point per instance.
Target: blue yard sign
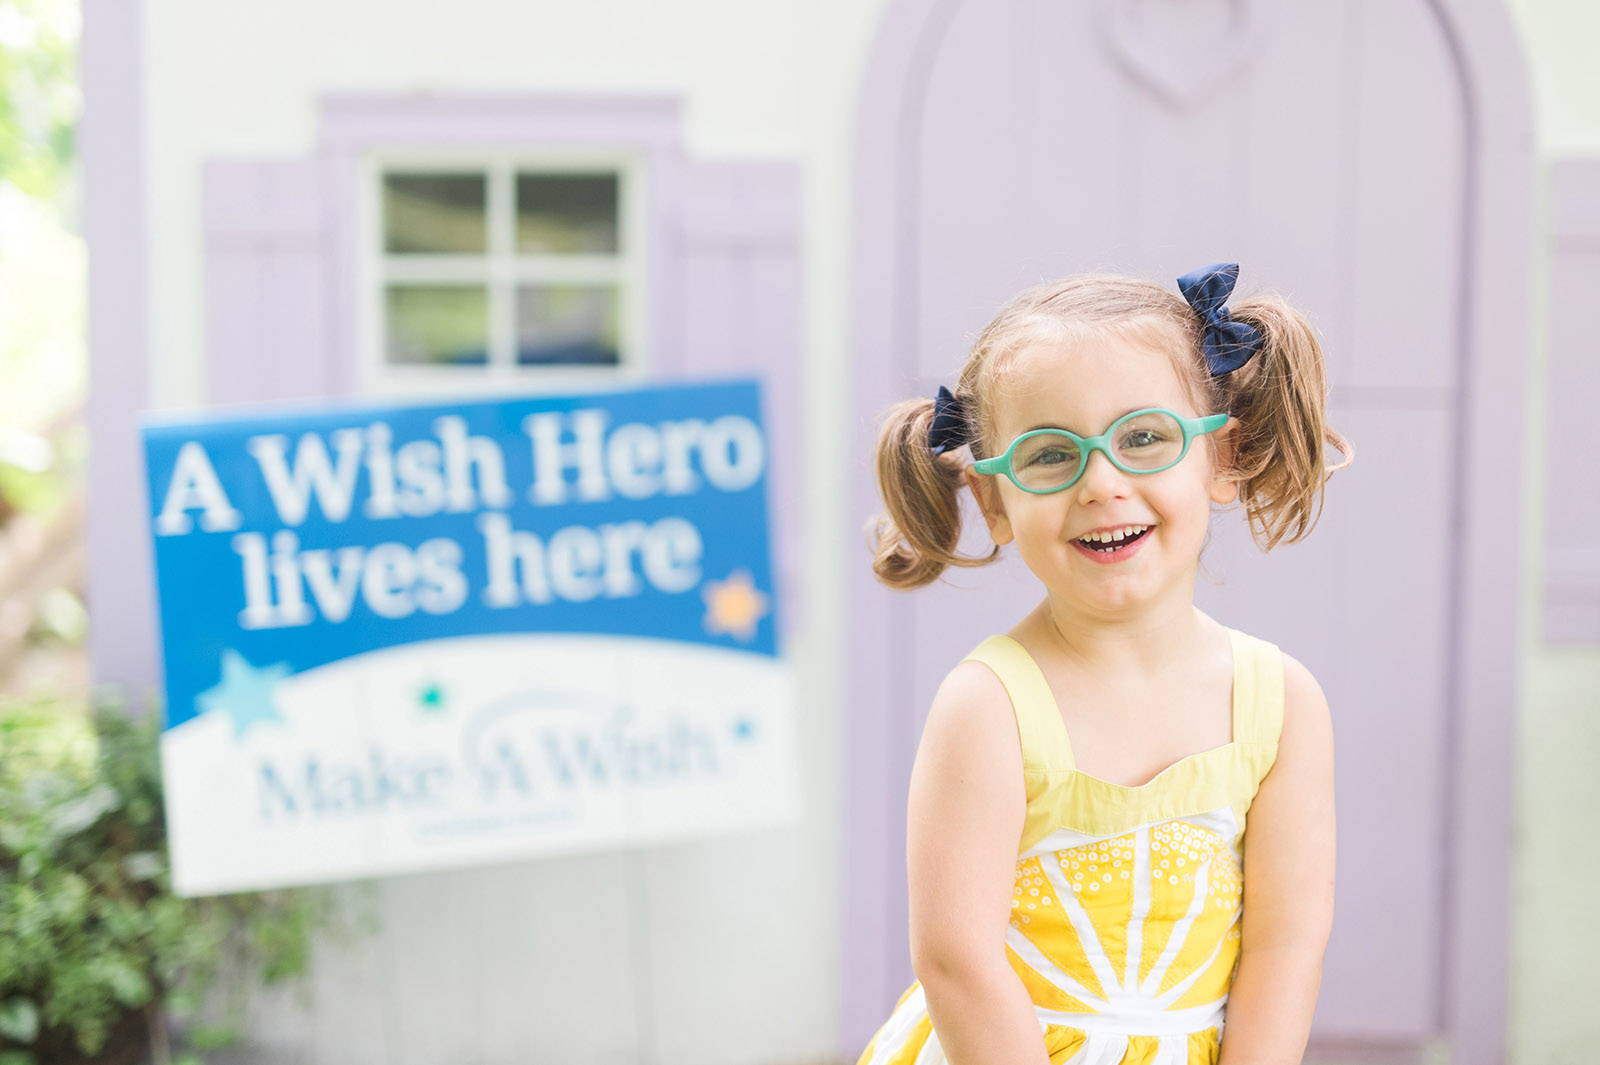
(409, 637)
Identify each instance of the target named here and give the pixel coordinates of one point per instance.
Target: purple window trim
(122, 635)
(1571, 577)
(353, 125)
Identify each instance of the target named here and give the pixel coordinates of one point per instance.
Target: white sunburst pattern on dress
(1068, 950)
(1122, 883)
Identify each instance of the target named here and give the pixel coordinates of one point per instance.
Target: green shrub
(95, 950)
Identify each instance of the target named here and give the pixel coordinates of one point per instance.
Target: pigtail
(917, 537)
(1280, 398)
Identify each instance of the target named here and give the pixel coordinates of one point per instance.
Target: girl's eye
(1142, 438)
(1052, 456)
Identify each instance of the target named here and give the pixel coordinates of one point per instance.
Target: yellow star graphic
(734, 606)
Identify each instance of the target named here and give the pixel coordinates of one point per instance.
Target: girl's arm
(967, 808)
(1288, 887)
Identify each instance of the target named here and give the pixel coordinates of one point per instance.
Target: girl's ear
(1225, 441)
(987, 492)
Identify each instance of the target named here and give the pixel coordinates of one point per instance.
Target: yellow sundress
(1126, 910)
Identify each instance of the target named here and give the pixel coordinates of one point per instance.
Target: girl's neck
(1145, 645)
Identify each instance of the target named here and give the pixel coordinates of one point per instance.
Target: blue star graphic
(245, 693)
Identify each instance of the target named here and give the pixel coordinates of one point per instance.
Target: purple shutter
(270, 289)
(731, 295)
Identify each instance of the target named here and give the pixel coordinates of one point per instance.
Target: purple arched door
(1338, 152)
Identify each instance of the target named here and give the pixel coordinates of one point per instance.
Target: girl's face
(1085, 384)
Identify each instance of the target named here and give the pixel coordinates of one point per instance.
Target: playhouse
(404, 202)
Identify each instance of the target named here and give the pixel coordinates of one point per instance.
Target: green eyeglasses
(1145, 441)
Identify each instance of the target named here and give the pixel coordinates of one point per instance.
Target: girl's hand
(967, 808)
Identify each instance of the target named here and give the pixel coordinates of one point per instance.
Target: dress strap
(1258, 689)
(1039, 725)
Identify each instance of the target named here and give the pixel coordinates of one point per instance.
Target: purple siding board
(1572, 395)
(978, 173)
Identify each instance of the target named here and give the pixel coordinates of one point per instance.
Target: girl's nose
(1100, 480)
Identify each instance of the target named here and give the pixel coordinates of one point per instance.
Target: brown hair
(1279, 398)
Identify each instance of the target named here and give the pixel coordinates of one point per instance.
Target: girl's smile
(1108, 546)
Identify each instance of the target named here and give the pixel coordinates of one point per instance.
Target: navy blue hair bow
(949, 428)
(1228, 344)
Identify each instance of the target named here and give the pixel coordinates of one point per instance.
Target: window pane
(567, 324)
(567, 214)
(434, 214)
(438, 324)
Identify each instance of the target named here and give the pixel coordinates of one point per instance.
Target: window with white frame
(505, 265)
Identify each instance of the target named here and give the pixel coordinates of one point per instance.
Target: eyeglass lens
(1142, 442)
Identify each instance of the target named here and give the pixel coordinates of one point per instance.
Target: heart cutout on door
(1180, 64)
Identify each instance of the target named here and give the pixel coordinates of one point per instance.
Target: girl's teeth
(1117, 535)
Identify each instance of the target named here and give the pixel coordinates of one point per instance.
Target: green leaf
(131, 986)
(19, 1020)
(17, 1057)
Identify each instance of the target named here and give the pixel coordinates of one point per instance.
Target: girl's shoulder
(969, 749)
(1305, 706)
(972, 686)
(974, 708)
(973, 695)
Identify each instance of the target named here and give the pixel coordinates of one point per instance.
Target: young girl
(1079, 888)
